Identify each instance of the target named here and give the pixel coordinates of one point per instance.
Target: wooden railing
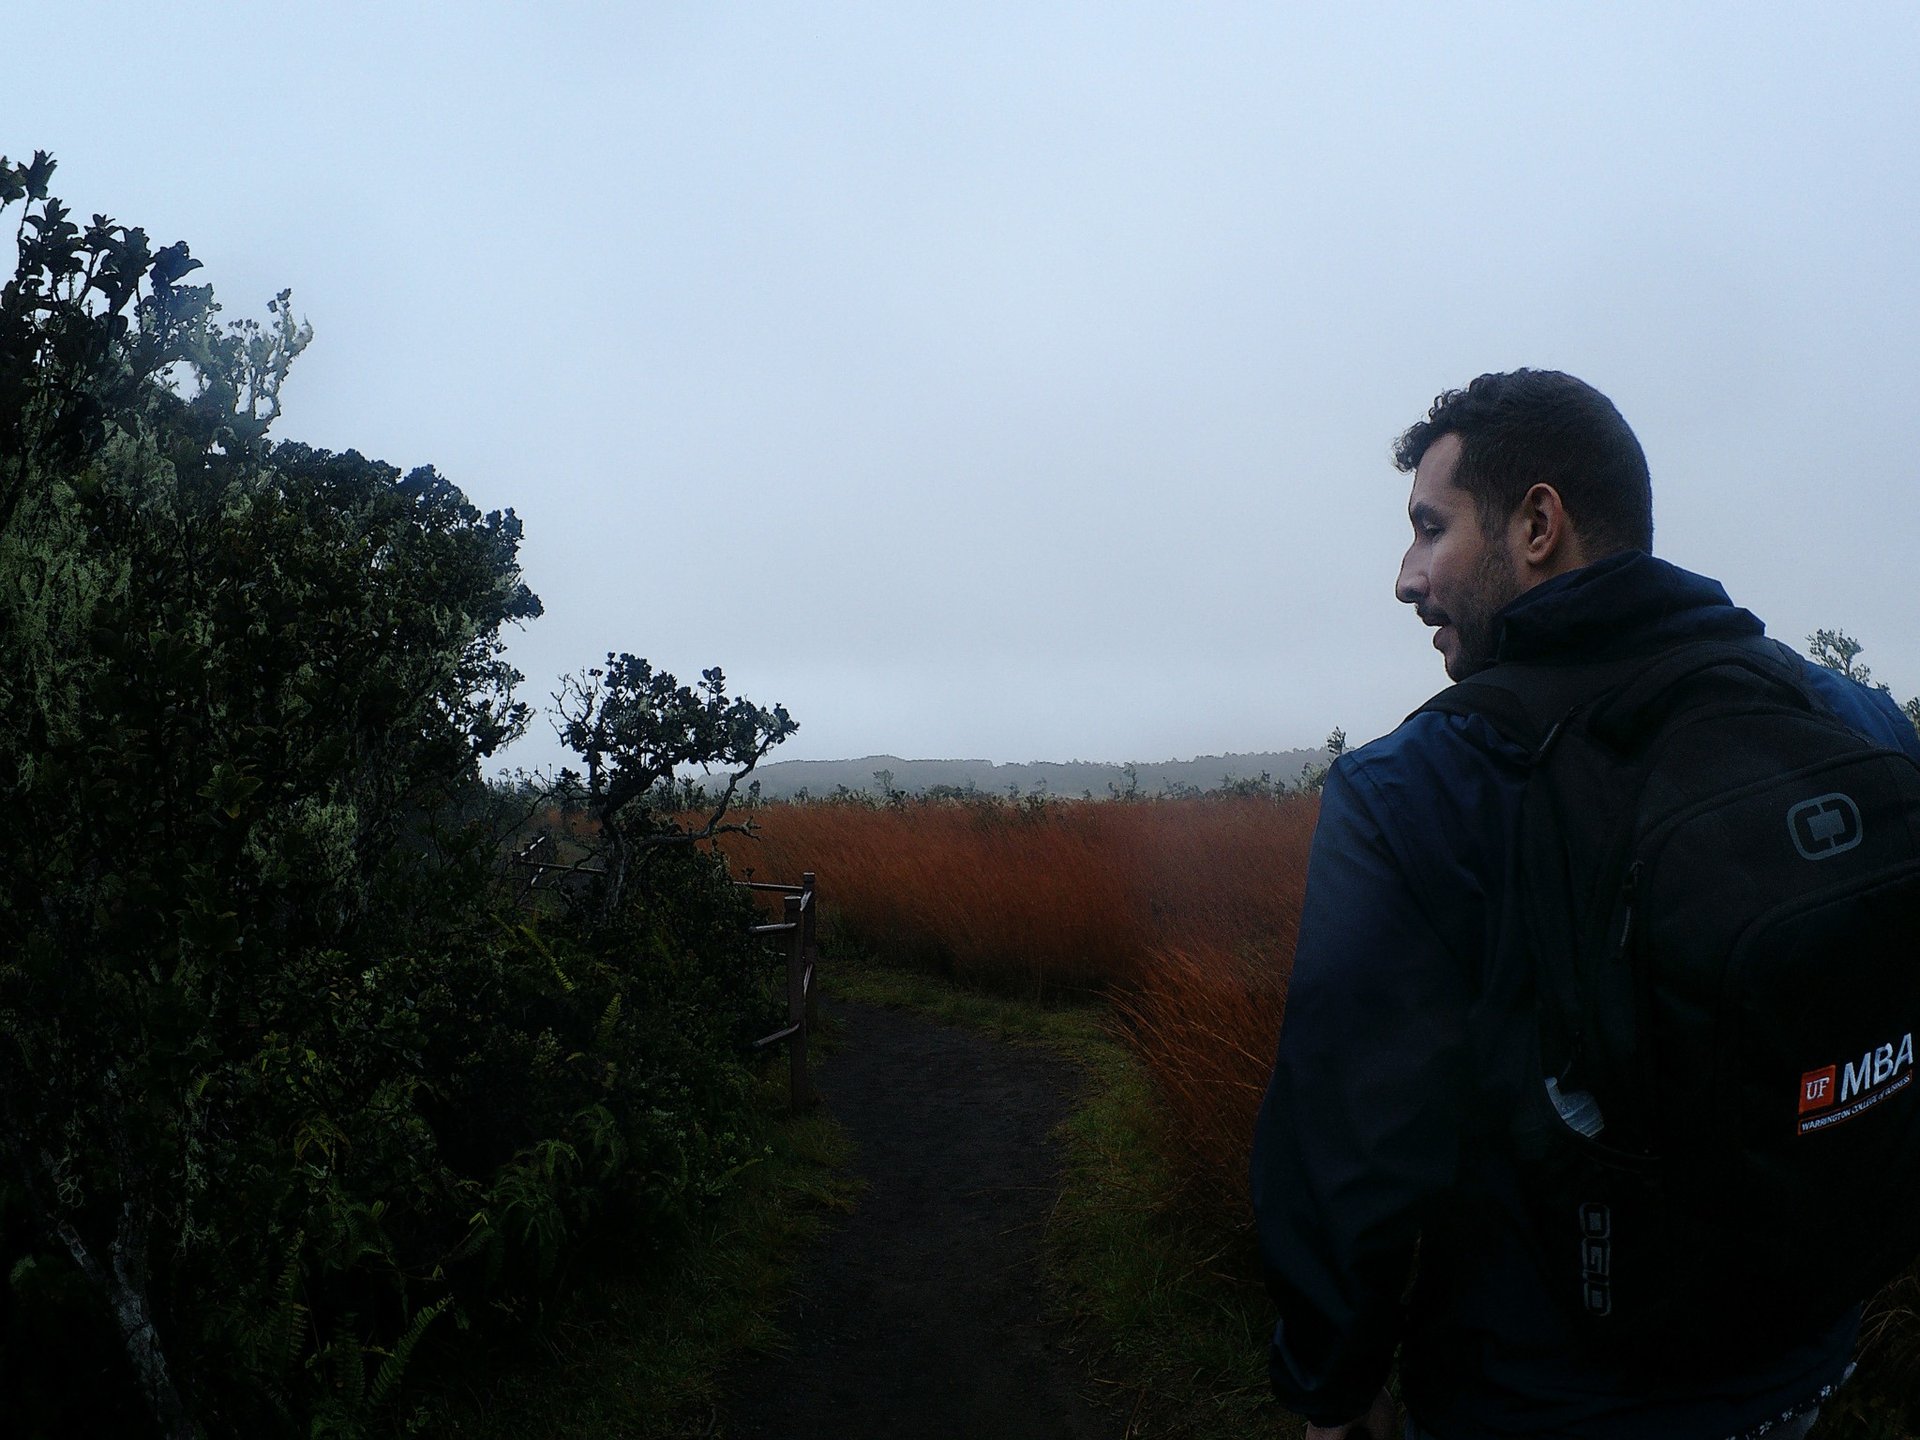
(802, 953)
(543, 842)
(801, 907)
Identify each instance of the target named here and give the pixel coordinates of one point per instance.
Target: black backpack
(1711, 948)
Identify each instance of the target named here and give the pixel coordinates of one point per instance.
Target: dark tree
(237, 681)
(636, 729)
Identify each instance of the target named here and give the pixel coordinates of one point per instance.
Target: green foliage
(636, 727)
(283, 1080)
(637, 730)
(1314, 777)
(1838, 650)
(642, 1354)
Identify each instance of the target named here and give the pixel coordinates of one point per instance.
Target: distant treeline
(877, 774)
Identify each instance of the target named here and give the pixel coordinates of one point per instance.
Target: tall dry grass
(1204, 1020)
(1065, 896)
(1183, 912)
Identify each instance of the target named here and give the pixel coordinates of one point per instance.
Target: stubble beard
(1494, 585)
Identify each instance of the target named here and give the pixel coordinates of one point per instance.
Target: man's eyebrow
(1421, 512)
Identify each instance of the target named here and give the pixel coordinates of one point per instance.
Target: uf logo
(1825, 826)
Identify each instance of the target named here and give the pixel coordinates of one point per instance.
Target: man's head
(1516, 479)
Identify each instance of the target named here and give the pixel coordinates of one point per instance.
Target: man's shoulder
(1436, 801)
(1435, 783)
(1430, 747)
(1865, 709)
(1445, 768)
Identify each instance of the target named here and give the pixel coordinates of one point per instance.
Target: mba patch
(1842, 1091)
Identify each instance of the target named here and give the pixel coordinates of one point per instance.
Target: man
(1532, 537)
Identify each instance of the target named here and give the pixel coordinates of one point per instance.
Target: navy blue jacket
(1364, 1147)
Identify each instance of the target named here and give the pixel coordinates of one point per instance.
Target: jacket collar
(1626, 602)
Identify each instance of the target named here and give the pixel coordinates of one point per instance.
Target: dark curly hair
(1526, 427)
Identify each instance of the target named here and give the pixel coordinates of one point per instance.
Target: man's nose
(1410, 586)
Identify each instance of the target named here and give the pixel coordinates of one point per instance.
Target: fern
(287, 1328)
(526, 933)
(526, 1193)
(343, 1359)
(480, 1235)
(608, 1145)
(396, 1362)
(609, 1022)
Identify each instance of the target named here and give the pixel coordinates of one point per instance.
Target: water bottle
(1577, 1108)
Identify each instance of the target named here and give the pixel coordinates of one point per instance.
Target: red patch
(1816, 1089)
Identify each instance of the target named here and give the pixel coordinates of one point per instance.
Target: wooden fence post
(801, 1097)
(810, 901)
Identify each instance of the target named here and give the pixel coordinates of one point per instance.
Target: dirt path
(921, 1318)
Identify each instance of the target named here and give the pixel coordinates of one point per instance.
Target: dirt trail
(921, 1316)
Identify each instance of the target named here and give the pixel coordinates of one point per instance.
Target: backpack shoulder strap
(1638, 705)
(1529, 703)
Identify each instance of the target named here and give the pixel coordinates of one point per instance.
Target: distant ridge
(784, 779)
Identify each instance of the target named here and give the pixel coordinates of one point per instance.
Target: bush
(290, 1092)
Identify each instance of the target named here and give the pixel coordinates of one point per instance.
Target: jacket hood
(1626, 602)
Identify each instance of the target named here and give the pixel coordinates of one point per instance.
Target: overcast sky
(1017, 381)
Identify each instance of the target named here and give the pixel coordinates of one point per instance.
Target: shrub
(289, 1093)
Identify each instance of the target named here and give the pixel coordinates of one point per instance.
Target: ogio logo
(1823, 827)
(1596, 1259)
(1857, 1086)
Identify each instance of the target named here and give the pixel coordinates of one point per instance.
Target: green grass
(1167, 1307)
(639, 1358)
(1170, 1306)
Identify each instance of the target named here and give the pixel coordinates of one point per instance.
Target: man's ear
(1543, 535)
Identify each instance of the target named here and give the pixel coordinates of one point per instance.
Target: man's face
(1455, 575)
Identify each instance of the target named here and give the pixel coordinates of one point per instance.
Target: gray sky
(1016, 381)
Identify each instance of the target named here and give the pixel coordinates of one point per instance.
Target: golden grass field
(1182, 913)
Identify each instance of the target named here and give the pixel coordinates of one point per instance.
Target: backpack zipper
(1641, 979)
(1627, 893)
